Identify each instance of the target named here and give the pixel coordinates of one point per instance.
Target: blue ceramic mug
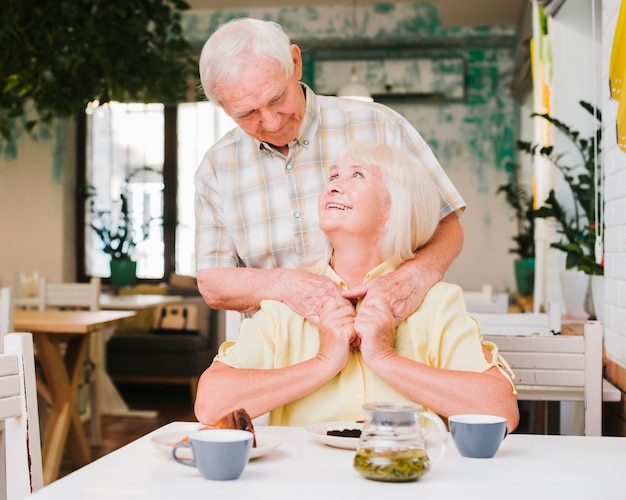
(477, 436)
(219, 454)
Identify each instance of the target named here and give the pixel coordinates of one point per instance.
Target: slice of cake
(237, 419)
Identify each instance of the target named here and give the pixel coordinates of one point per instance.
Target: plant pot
(574, 286)
(525, 276)
(597, 296)
(123, 272)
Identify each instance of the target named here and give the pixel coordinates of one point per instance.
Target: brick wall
(614, 161)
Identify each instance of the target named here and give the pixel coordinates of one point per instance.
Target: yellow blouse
(440, 334)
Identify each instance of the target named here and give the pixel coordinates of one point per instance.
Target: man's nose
(270, 120)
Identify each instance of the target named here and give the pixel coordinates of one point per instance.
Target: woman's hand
(336, 332)
(376, 328)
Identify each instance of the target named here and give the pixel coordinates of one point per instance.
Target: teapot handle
(442, 431)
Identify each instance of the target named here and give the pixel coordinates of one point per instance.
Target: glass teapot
(392, 445)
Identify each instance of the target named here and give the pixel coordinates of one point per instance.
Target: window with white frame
(125, 144)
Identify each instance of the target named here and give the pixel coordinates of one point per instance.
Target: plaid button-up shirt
(256, 207)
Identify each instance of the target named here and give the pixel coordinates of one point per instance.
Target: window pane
(125, 145)
(200, 124)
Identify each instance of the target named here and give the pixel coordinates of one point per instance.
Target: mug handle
(443, 432)
(185, 444)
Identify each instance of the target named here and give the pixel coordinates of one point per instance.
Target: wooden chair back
(21, 470)
(558, 368)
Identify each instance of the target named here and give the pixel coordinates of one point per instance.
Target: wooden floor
(173, 402)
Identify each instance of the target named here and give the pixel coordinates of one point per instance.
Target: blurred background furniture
(6, 313)
(561, 368)
(144, 352)
(34, 292)
(27, 290)
(542, 323)
(21, 467)
(486, 300)
(61, 339)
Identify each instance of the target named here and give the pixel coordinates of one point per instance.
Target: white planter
(574, 285)
(597, 292)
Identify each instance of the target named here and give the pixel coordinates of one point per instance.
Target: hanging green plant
(59, 55)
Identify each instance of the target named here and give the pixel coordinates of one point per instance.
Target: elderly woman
(378, 208)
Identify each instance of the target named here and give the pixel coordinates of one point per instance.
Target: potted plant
(519, 199)
(580, 241)
(577, 225)
(118, 231)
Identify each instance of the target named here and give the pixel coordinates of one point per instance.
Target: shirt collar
(379, 270)
(309, 125)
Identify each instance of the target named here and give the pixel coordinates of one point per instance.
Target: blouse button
(296, 215)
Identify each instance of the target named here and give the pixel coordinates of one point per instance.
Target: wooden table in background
(61, 340)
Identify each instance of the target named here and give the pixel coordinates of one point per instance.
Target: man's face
(265, 104)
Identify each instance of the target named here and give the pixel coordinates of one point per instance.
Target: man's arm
(405, 288)
(242, 289)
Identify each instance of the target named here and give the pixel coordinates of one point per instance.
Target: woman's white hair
(414, 200)
(235, 45)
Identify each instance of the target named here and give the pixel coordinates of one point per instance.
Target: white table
(526, 467)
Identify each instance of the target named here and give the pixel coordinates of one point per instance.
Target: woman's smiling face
(355, 199)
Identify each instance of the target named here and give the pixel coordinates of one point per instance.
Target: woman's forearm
(222, 389)
(449, 392)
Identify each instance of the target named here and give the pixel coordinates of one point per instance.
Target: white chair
(6, 313)
(21, 467)
(486, 301)
(71, 295)
(548, 323)
(560, 368)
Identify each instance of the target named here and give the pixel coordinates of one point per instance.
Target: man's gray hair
(235, 45)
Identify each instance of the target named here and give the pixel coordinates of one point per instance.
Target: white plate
(318, 432)
(165, 442)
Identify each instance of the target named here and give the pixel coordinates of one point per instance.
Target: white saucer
(165, 442)
(319, 433)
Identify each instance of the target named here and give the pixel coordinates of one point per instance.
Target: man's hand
(403, 290)
(308, 293)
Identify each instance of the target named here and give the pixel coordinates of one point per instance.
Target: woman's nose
(335, 187)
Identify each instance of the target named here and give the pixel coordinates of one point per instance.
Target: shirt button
(289, 166)
(296, 215)
(305, 142)
(358, 396)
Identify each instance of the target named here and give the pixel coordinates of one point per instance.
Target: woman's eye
(358, 175)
